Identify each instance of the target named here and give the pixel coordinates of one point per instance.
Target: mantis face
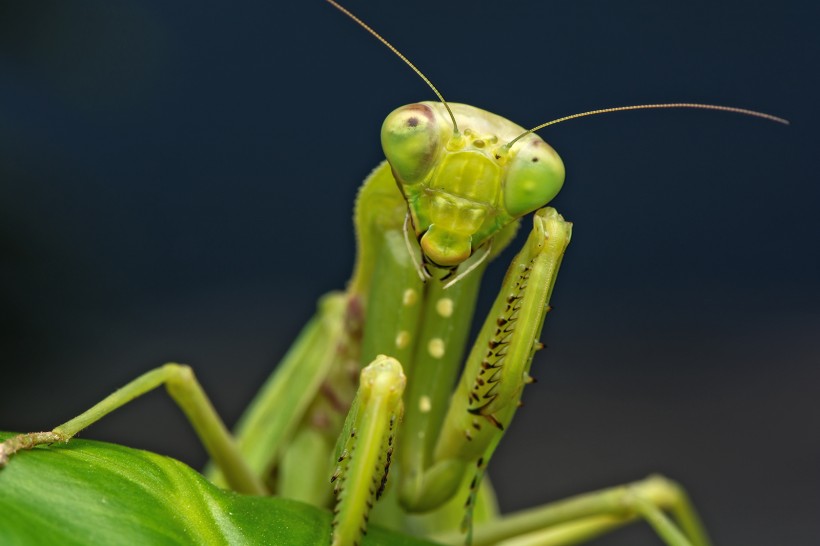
(463, 188)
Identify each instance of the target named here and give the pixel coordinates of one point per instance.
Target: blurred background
(177, 180)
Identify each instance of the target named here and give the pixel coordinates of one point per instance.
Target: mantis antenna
(697, 106)
(398, 53)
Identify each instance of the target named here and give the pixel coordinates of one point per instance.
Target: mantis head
(463, 187)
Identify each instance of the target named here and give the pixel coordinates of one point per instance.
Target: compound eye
(534, 177)
(410, 140)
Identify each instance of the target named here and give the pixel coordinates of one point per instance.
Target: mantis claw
(366, 448)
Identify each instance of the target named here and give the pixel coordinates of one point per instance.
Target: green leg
(274, 415)
(567, 534)
(365, 448)
(183, 387)
(582, 518)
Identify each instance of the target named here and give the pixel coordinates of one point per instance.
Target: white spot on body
(425, 405)
(436, 347)
(410, 297)
(444, 307)
(402, 339)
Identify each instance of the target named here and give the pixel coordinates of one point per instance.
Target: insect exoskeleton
(463, 186)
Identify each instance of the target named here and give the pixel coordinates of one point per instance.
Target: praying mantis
(430, 252)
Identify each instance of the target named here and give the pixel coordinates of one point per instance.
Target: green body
(455, 189)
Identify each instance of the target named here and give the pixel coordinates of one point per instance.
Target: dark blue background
(176, 183)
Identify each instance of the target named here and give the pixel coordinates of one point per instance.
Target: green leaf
(87, 492)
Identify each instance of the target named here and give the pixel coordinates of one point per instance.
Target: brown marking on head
(421, 109)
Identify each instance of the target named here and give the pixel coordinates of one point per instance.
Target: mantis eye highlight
(534, 177)
(410, 140)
